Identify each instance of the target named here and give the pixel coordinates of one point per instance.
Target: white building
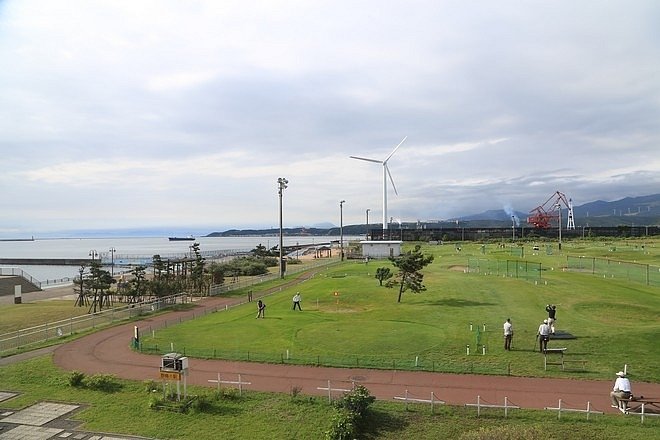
(381, 248)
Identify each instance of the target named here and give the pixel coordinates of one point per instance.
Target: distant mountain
(644, 210)
(631, 211)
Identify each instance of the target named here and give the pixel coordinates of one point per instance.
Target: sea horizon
(118, 248)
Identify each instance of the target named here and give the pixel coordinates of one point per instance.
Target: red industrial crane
(544, 215)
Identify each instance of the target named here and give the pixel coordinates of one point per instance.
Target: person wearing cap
(543, 335)
(621, 389)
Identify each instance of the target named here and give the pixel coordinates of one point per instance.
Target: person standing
(552, 316)
(621, 390)
(296, 301)
(508, 334)
(543, 335)
(261, 308)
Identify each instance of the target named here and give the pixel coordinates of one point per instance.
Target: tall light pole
(112, 261)
(281, 186)
(368, 222)
(559, 225)
(341, 228)
(93, 254)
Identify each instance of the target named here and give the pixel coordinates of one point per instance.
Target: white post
(484, 326)
(218, 381)
(588, 409)
(468, 349)
(483, 350)
(287, 354)
(172, 347)
(478, 405)
(416, 361)
(329, 393)
(625, 369)
(506, 408)
(559, 412)
(240, 386)
(470, 326)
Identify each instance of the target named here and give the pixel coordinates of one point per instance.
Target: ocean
(83, 248)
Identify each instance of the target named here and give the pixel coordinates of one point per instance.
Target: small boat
(188, 238)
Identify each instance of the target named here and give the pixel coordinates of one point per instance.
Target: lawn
(349, 320)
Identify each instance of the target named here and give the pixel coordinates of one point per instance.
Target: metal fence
(511, 268)
(291, 269)
(636, 272)
(55, 330)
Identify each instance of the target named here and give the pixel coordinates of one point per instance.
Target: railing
(55, 330)
(291, 269)
(637, 272)
(14, 271)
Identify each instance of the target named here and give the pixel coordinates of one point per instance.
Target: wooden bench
(559, 351)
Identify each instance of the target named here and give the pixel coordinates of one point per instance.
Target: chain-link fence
(606, 268)
(510, 268)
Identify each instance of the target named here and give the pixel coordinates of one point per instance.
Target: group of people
(546, 329)
(261, 306)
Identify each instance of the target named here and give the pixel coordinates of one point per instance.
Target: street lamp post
(93, 254)
(112, 261)
(368, 223)
(559, 225)
(341, 228)
(281, 186)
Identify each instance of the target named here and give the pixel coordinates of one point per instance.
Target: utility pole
(341, 228)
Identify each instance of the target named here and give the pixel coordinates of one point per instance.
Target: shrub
(76, 378)
(151, 385)
(103, 382)
(342, 426)
(357, 401)
(350, 412)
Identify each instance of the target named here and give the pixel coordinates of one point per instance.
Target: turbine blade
(391, 180)
(395, 148)
(364, 158)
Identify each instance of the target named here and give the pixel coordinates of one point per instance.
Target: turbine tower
(386, 174)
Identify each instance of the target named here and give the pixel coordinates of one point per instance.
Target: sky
(183, 114)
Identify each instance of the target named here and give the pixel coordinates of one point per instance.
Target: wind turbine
(386, 173)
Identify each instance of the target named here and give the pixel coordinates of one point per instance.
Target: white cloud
(201, 105)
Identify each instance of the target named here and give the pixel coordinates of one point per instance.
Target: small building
(381, 248)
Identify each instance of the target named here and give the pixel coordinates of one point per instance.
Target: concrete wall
(7, 285)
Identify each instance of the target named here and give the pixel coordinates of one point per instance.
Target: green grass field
(365, 325)
(615, 320)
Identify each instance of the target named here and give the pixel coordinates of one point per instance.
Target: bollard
(416, 361)
(470, 326)
(468, 349)
(483, 350)
(484, 326)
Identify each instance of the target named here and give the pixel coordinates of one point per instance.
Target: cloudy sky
(183, 114)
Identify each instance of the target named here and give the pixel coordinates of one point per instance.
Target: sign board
(170, 375)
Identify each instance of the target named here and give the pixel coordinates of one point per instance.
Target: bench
(559, 351)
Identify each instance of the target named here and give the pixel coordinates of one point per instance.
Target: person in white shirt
(543, 335)
(508, 334)
(621, 389)
(296, 301)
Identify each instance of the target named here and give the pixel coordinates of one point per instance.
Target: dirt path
(108, 351)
